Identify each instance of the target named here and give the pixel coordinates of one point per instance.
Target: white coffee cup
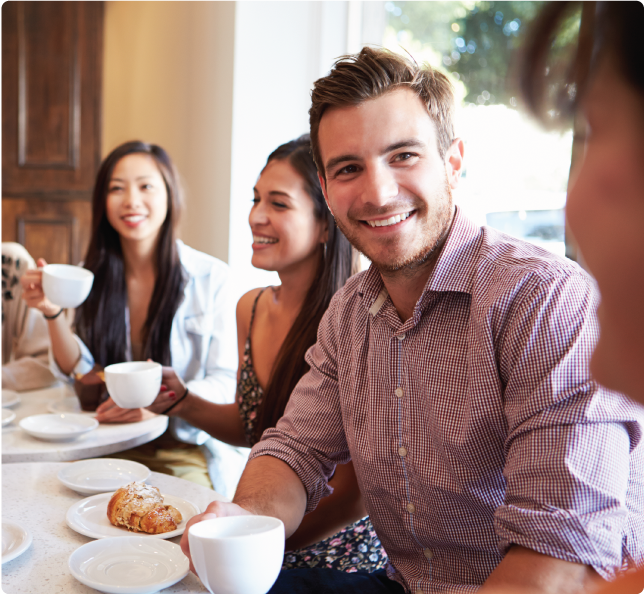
(135, 384)
(65, 285)
(237, 554)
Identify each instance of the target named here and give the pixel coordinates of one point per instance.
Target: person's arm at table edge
(268, 487)
(524, 571)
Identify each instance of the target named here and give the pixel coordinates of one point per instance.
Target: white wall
(168, 79)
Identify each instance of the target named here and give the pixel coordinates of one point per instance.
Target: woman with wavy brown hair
(295, 235)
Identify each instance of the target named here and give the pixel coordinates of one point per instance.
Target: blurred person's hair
(372, 73)
(553, 91)
(335, 266)
(100, 320)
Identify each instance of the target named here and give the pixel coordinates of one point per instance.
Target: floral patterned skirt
(357, 547)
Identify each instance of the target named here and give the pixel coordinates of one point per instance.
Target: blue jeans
(320, 580)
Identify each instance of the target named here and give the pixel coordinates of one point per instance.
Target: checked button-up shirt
(475, 424)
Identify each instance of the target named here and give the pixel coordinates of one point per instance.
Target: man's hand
(217, 509)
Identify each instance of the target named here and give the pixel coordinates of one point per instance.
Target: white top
(203, 348)
(107, 438)
(34, 498)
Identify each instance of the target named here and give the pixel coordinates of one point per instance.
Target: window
(516, 173)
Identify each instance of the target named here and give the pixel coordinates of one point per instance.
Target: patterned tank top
(356, 547)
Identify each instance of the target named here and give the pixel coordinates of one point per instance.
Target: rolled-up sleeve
(84, 365)
(570, 441)
(310, 436)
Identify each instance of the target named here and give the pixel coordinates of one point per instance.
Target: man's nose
(380, 185)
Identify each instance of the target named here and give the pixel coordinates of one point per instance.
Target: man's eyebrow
(409, 143)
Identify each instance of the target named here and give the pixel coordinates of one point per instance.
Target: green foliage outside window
(477, 41)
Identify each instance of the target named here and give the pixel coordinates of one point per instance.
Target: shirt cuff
(593, 539)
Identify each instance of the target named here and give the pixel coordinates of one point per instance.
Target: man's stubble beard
(434, 239)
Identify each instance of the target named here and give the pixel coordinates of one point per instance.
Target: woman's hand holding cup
(32, 291)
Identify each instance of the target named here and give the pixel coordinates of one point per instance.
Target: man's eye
(347, 169)
(404, 156)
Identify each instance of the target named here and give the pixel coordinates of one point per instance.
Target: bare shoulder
(245, 309)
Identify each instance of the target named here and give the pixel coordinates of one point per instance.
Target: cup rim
(126, 367)
(82, 273)
(276, 524)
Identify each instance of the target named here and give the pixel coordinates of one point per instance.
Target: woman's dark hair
(335, 266)
(608, 29)
(100, 320)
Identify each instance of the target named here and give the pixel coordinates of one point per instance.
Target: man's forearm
(269, 487)
(524, 571)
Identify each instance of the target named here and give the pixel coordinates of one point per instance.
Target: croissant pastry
(139, 507)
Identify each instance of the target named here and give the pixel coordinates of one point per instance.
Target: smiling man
(453, 373)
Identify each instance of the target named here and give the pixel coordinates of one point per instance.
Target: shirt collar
(454, 270)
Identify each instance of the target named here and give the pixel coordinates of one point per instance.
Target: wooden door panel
(54, 230)
(48, 86)
(51, 98)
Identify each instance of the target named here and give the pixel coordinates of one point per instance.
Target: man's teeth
(134, 218)
(257, 239)
(390, 220)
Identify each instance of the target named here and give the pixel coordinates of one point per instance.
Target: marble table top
(19, 446)
(34, 498)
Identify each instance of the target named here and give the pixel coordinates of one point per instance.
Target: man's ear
(323, 186)
(454, 162)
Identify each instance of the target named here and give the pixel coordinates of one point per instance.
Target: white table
(33, 497)
(108, 438)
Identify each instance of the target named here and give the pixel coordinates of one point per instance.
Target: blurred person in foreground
(453, 373)
(25, 340)
(605, 206)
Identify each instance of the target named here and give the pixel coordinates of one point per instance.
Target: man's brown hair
(372, 73)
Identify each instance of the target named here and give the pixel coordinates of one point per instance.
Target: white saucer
(7, 416)
(9, 398)
(89, 517)
(129, 565)
(61, 427)
(15, 540)
(101, 475)
(70, 404)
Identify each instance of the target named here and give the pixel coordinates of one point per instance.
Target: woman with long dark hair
(294, 234)
(153, 297)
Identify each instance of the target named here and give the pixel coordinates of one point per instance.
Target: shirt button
(411, 508)
(402, 451)
(401, 337)
(398, 392)
(428, 553)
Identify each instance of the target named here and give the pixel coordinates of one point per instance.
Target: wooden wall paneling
(55, 230)
(51, 93)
